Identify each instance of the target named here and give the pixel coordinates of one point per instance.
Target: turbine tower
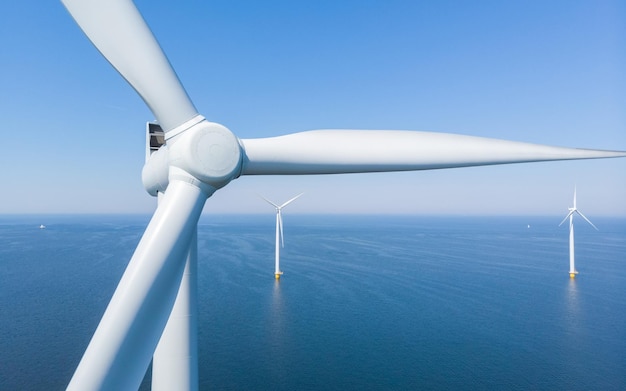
(155, 300)
(570, 215)
(280, 239)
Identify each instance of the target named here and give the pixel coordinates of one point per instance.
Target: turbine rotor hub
(206, 152)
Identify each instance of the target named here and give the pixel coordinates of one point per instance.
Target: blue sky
(544, 72)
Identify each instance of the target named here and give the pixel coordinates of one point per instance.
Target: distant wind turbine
(280, 239)
(572, 210)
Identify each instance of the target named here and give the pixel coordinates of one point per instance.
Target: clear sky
(548, 72)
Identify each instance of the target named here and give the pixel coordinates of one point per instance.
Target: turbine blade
(291, 200)
(121, 348)
(574, 197)
(119, 32)
(586, 219)
(280, 224)
(352, 151)
(269, 202)
(566, 217)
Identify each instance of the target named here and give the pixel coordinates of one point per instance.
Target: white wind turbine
(280, 238)
(152, 314)
(570, 215)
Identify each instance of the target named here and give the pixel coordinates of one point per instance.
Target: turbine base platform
(277, 275)
(573, 274)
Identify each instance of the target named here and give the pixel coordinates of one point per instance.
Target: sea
(365, 302)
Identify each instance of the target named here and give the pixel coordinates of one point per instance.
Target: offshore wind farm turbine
(151, 313)
(280, 238)
(570, 215)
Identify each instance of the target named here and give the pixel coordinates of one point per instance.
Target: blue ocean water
(366, 302)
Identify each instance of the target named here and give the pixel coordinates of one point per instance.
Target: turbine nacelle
(206, 154)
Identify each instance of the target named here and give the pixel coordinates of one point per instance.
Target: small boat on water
(42, 226)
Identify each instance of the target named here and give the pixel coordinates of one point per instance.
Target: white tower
(280, 240)
(572, 210)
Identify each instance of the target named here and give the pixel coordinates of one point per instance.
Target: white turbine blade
(352, 151)
(270, 202)
(291, 200)
(566, 217)
(574, 197)
(121, 348)
(280, 225)
(586, 219)
(120, 33)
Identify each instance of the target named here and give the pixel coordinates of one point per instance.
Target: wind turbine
(280, 239)
(155, 301)
(572, 210)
